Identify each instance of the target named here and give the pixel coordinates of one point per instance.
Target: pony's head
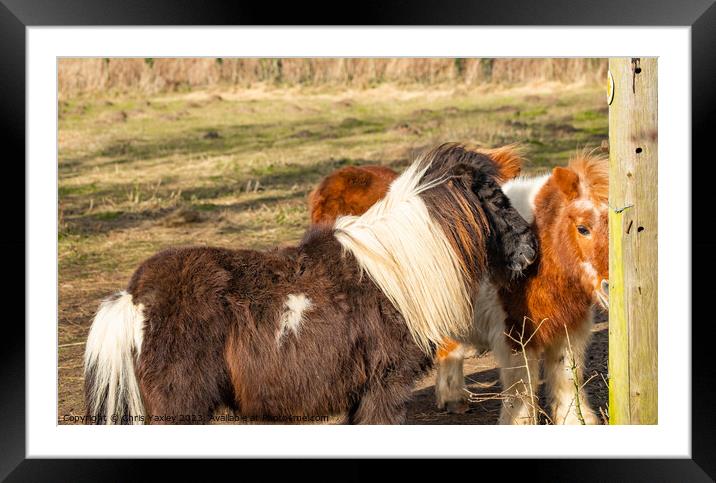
(580, 230)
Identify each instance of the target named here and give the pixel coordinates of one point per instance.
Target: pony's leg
(564, 361)
(382, 403)
(180, 390)
(167, 407)
(450, 381)
(520, 383)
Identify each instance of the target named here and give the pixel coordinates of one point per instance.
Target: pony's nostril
(605, 286)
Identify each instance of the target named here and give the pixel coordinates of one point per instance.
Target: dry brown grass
(150, 76)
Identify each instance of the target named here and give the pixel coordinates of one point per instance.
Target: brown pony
(340, 323)
(567, 210)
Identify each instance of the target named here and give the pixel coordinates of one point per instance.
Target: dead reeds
(150, 75)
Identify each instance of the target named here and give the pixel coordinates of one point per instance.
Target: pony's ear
(567, 181)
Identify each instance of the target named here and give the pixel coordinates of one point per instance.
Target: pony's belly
(299, 373)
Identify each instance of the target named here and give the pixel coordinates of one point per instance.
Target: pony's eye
(583, 230)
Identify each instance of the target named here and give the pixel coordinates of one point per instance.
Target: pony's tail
(112, 394)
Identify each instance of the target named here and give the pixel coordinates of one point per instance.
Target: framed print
(429, 234)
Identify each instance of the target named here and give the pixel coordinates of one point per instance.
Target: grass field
(233, 168)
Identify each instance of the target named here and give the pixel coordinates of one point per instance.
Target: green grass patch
(533, 112)
(77, 190)
(589, 116)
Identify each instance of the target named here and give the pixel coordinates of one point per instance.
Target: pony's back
(349, 191)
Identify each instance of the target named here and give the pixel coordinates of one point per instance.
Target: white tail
(112, 393)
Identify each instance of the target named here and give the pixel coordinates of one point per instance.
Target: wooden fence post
(633, 141)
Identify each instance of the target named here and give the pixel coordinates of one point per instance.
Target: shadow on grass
(213, 140)
(200, 198)
(548, 138)
(106, 222)
(271, 177)
(239, 138)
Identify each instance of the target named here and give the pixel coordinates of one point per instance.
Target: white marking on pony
(589, 270)
(291, 318)
(114, 338)
(559, 375)
(584, 204)
(450, 381)
(408, 256)
(522, 193)
(583, 187)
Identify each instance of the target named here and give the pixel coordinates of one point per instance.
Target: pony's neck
(523, 192)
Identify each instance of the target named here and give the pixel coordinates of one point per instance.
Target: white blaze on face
(291, 319)
(585, 204)
(589, 272)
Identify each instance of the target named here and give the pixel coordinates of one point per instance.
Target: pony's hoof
(457, 407)
(591, 418)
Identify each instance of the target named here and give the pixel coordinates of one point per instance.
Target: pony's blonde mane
(593, 172)
(406, 252)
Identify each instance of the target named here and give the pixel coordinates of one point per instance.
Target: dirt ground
(482, 377)
(233, 168)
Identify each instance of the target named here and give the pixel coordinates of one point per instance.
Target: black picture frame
(700, 15)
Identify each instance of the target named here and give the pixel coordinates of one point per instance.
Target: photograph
(464, 233)
(420, 241)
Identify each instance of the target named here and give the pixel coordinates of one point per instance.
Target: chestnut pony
(344, 322)
(349, 191)
(568, 212)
